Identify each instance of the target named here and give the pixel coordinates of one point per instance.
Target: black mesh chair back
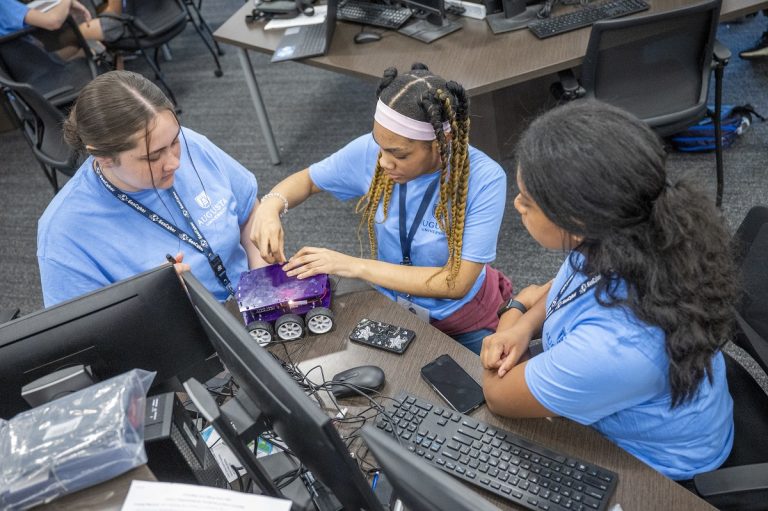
(41, 123)
(742, 481)
(57, 63)
(751, 242)
(148, 25)
(655, 66)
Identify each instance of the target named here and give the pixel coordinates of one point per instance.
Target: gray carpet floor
(313, 112)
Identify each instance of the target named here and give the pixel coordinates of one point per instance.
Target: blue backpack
(735, 119)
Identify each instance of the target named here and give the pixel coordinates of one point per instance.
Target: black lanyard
(559, 302)
(201, 244)
(407, 240)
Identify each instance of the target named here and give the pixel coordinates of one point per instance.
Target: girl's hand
(268, 235)
(178, 264)
(311, 261)
(504, 349)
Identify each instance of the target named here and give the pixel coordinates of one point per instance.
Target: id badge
(421, 312)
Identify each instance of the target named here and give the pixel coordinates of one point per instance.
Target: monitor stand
(516, 15)
(427, 32)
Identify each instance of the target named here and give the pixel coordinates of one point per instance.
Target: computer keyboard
(585, 16)
(521, 471)
(367, 13)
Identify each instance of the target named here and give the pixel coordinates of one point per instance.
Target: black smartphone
(454, 384)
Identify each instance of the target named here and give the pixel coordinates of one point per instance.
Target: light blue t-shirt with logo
(12, 14)
(87, 238)
(604, 368)
(347, 174)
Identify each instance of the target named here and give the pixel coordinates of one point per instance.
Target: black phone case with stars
(382, 335)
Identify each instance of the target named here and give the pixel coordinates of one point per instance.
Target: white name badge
(421, 312)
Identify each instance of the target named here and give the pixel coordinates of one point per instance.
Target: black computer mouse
(366, 37)
(366, 379)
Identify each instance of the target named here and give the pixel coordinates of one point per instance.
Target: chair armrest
(723, 481)
(721, 53)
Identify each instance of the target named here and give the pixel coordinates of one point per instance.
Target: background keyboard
(367, 13)
(501, 462)
(585, 16)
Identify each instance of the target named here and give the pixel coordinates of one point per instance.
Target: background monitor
(144, 322)
(514, 15)
(299, 421)
(431, 10)
(419, 486)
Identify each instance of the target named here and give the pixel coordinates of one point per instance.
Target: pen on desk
(375, 480)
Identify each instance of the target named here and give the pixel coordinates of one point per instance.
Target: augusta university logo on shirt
(430, 224)
(214, 210)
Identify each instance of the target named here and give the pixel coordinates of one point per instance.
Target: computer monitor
(514, 15)
(281, 404)
(431, 10)
(419, 486)
(430, 22)
(144, 322)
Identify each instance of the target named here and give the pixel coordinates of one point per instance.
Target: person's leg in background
(760, 49)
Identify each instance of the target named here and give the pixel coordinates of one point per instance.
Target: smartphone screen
(453, 383)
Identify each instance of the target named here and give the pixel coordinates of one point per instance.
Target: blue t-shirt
(602, 367)
(347, 174)
(87, 238)
(12, 15)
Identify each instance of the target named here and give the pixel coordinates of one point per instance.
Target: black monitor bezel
(300, 423)
(110, 331)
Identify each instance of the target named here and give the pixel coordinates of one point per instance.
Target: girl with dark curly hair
(431, 205)
(634, 321)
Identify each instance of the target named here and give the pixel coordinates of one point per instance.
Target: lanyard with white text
(559, 303)
(407, 240)
(201, 245)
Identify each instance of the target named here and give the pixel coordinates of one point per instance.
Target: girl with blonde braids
(431, 206)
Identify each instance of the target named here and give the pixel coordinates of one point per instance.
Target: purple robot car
(266, 295)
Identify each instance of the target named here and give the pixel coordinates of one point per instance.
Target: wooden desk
(640, 487)
(484, 63)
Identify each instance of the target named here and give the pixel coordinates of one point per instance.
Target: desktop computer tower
(176, 452)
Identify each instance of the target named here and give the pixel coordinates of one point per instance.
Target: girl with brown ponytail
(431, 206)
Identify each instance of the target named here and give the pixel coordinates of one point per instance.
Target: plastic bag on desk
(74, 442)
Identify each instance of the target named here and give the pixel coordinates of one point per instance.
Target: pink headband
(405, 126)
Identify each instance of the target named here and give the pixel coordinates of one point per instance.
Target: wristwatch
(513, 304)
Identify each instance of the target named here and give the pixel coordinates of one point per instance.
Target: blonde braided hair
(413, 95)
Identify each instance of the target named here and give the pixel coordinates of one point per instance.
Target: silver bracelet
(281, 197)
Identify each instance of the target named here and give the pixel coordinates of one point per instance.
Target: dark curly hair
(599, 173)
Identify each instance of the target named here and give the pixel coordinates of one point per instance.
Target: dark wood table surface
(640, 487)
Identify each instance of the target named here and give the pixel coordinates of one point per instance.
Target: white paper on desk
(156, 496)
(299, 20)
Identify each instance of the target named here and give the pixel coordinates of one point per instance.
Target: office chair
(419, 486)
(742, 482)
(658, 68)
(204, 31)
(147, 25)
(41, 121)
(56, 63)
